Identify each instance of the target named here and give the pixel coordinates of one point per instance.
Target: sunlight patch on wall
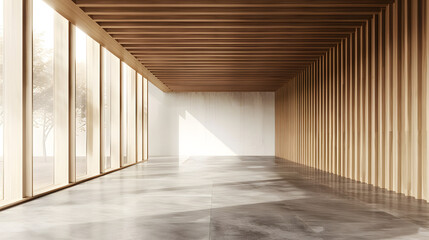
(196, 140)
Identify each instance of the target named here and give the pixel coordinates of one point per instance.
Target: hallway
(218, 198)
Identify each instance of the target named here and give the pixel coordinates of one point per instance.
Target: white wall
(207, 124)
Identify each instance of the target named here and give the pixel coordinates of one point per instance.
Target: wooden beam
(232, 3)
(307, 10)
(291, 18)
(200, 36)
(229, 25)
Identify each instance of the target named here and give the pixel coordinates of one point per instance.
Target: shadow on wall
(210, 124)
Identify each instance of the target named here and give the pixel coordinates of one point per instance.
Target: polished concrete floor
(218, 198)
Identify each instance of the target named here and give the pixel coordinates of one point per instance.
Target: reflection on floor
(218, 198)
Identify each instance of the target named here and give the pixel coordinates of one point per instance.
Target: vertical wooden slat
(373, 102)
(376, 99)
(352, 105)
(381, 103)
(356, 90)
(362, 107)
(338, 112)
(397, 94)
(342, 96)
(334, 110)
(415, 95)
(326, 113)
(320, 112)
(357, 104)
(347, 159)
(425, 99)
(329, 110)
(366, 156)
(388, 97)
(404, 100)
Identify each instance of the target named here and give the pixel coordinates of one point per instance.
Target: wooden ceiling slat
(230, 77)
(278, 36)
(169, 80)
(229, 3)
(225, 55)
(227, 64)
(229, 31)
(229, 45)
(226, 70)
(236, 52)
(230, 63)
(223, 69)
(291, 18)
(311, 10)
(229, 25)
(226, 67)
(228, 41)
(149, 47)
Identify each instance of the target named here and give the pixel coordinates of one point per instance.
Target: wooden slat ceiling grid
(229, 45)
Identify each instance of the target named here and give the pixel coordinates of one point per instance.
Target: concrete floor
(218, 198)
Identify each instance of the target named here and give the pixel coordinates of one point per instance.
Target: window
(145, 112)
(50, 85)
(139, 118)
(106, 106)
(1, 99)
(110, 110)
(124, 113)
(128, 111)
(11, 95)
(81, 104)
(87, 106)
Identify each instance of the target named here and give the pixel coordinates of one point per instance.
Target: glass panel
(124, 113)
(1, 100)
(139, 117)
(132, 117)
(145, 89)
(106, 103)
(81, 104)
(43, 95)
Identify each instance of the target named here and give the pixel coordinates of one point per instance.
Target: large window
(145, 119)
(50, 78)
(141, 118)
(81, 104)
(11, 97)
(124, 113)
(87, 105)
(106, 108)
(110, 110)
(128, 121)
(1, 98)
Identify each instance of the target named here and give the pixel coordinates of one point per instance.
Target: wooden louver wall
(361, 110)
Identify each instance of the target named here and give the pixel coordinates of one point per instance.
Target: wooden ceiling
(228, 45)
